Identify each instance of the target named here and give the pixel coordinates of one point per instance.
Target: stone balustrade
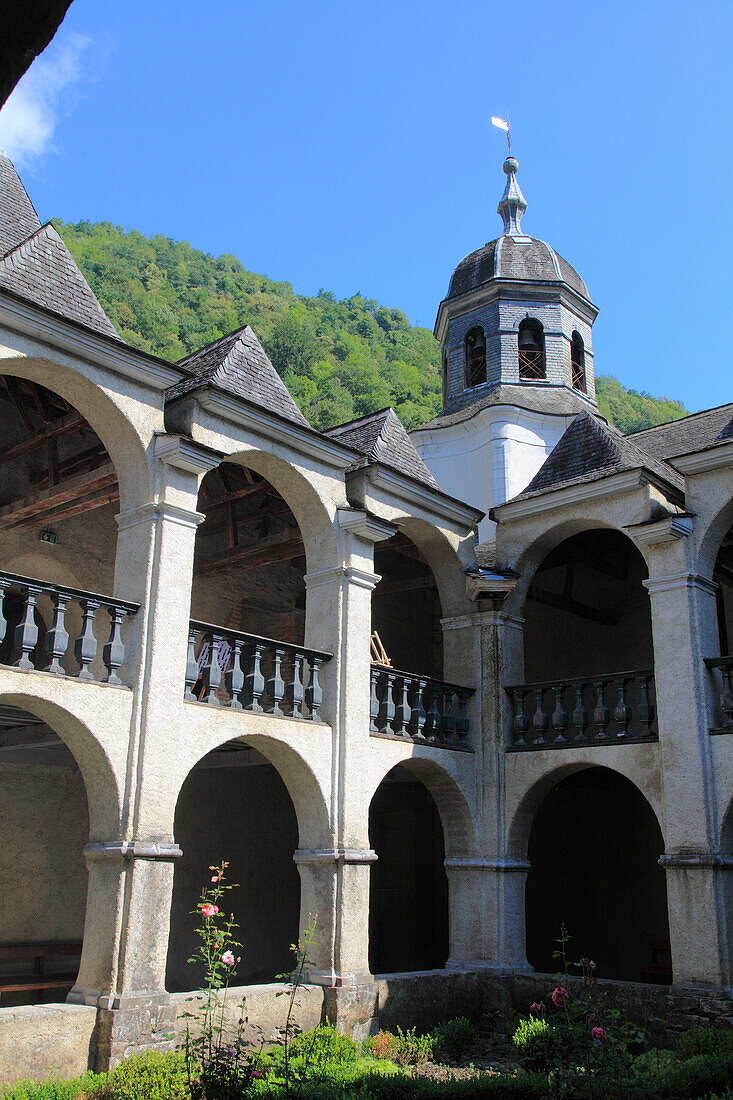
(27, 642)
(418, 708)
(245, 672)
(605, 710)
(721, 670)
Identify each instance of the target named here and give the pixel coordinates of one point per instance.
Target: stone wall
(39, 1040)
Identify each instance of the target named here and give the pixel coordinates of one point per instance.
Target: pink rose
(559, 996)
(209, 910)
(214, 878)
(228, 958)
(597, 1034)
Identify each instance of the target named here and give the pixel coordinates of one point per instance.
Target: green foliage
(704, 1040)
(325, 1043)
(630, 410)
(53, 1088)
(149, 1076)
(533, 1041)
(454, 1039)
(339, 358)
(413, 1049)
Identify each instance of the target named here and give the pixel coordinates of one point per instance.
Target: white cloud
(28, 119)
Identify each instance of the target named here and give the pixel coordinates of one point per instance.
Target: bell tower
(517, 354)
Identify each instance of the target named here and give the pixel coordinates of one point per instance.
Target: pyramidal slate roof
(697, 432)
(36, 264)
(381, 437)
(591, 450)
(238, 364)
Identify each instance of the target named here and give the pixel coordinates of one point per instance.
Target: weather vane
(503, 124)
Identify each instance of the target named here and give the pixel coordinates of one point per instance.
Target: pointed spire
(512, 204)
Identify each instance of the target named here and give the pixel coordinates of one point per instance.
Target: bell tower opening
(532, 365)
(475, 345)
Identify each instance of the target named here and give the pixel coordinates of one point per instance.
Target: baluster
(192, 668)
(432, 722)
(601, 713)
(622, 711)
(418, 710)
(313, 694)
(462, 722)
(113, 652)
(448, 723)
(403, 712)
(56, 641)
(580, 712)
(234, 677)
(85, 646)
(374, 706)
(388, 703)
(26, 632)
(560, 719)
(645, 709)
(4, 586)
(294, 692)
(275, 683)
(254, 681)
(726, 697)
(540, 720)
(521, 718)
(211, 672)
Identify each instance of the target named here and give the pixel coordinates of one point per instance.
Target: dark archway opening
(234, 806)
(587, 611)
(406, 610)
(723, 576)
(408, 897)
(594, 849)
(44, 826)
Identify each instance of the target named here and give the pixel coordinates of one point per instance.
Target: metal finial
(512, 204)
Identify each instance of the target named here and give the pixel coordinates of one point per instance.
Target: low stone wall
(39, 1040)
(264, 1012)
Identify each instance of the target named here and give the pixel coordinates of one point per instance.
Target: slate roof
(542, 397)
(43, 270)
(381, 437)
(697, 432)
(528, 260)
(591, 450)
(18, 219)
(238, 364)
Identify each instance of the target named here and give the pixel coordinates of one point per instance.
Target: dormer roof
(381, 437)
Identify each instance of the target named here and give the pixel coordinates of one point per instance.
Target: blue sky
(346, 144)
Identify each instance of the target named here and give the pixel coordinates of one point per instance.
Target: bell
(528, 340)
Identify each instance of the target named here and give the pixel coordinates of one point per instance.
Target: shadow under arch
(711, 541)
(301, 496)
(116, 431)
(450, 802)
(443, 559)
(102, 791)
(593, 846)
(250, 802)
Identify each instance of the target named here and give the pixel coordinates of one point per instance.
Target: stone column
(339, 877)
(684, 625)
(131, 876)
(486, 888)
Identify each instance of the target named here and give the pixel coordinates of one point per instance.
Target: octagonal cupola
(516, 314)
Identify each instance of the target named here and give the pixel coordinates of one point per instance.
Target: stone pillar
(339, 877)
(684, 625)
(486, 888)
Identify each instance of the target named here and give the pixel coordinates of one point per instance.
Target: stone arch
(102, 789)
(101, 406)
(711, 538)
(593, 844)
(450, 802)
(254, 810)
(443, 559)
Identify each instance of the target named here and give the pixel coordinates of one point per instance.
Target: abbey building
(446, 692)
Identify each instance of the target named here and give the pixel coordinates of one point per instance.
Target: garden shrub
(150, 1076)
(52, 1089)
(690, 1080)
(453, 1039)
(704, 1040)
(383, 1045)
(323, 1044)
(412, 1049)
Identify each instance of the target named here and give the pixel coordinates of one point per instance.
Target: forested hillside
(339, 358)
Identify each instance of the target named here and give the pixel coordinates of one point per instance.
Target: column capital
(153, 511)
(482, 618)
(478, 864)
(362, 578)
(165, 851)
(677, 581)
(334, 855)
(696, 861)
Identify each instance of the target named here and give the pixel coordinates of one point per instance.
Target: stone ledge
(37, 1040)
